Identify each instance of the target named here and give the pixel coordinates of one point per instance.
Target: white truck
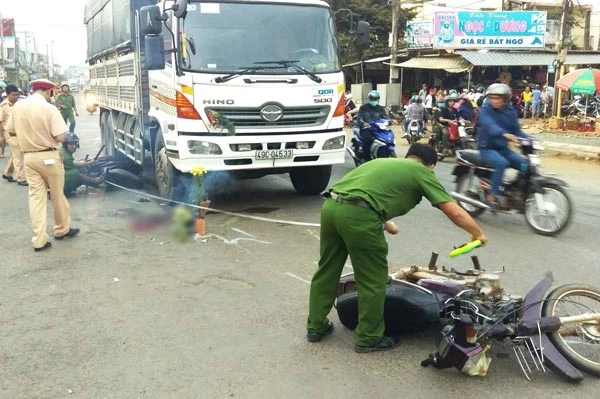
(253, 87)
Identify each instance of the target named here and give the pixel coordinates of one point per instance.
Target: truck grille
(292, 116)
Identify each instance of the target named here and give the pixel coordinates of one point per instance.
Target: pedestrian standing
(536, 99)
(2, 138)
(423, 92)
(40, 129)
(353, 220)
(429, 102)
(65, 102)
(15, 162)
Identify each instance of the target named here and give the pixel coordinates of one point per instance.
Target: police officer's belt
(47, 149)
(355, 202)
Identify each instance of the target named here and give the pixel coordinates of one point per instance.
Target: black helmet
(71, 138)
(500, 89)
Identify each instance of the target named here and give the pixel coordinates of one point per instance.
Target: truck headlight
(335, 143)
(204, 148)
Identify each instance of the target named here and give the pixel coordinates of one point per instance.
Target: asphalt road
(122, 311)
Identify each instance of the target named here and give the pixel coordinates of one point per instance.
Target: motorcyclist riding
(498, 125)
(415, 112)
(370, 112)
(448, 115)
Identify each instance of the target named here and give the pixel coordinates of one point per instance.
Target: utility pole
(1, 40)
(394, 39)
(560, 70)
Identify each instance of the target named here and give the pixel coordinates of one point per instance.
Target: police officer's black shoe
(9, 179)
(384, 344)
(23, 183)
(45, 247)
(317, 336)
(72, 233)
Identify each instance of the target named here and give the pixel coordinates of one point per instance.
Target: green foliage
(379, 15)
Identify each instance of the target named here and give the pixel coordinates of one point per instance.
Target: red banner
(8, 27)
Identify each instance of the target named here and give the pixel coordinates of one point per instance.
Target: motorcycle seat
(472, 156)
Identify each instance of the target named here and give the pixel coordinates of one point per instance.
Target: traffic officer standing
(15, 163)
(65, 102)
(40, 129)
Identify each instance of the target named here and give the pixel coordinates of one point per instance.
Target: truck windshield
(232, 36)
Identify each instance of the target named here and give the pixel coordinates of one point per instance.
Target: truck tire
(164, 171)
(311, 180)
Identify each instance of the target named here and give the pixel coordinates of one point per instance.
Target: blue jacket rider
(498, 125)
(370, 112)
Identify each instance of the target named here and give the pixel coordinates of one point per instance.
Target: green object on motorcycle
(465, 248)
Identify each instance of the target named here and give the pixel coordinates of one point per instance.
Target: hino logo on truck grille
(271, 113)
(218, 102)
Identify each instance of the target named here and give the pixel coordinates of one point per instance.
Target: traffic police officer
(65, 102)
(40, 129)
(15, 163)
(353, 220)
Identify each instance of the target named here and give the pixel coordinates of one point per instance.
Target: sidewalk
(567, 144)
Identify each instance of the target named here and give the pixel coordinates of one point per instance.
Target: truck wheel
(310, 180)
(164, 171)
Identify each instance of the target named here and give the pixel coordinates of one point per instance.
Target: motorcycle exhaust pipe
(468, 200)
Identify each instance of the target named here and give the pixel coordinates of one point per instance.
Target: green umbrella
(581, 81)
(2, 85)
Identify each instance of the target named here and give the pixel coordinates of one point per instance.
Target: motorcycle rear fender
(460, 170)
(532, 310)
(542, 180)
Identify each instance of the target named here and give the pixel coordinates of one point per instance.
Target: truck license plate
(274, 154)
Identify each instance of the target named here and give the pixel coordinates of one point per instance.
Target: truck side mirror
(180, 8)
(362, 30)
(154, 49)
(150, 20)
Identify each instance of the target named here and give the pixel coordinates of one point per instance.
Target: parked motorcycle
(559, 331)
(383, 146)
(542, 199)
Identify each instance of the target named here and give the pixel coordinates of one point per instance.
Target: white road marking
(296, 277)
(114, 237)
(235, 241)
(243, 232)
(312, 233)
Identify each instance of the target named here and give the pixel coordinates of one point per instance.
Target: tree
(378, 13)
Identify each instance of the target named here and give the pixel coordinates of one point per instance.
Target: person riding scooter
(75, 171)
(448, 115)
(416, 111)
(497, 125)
(370, 112)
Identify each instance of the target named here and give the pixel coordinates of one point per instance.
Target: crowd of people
(41, 153)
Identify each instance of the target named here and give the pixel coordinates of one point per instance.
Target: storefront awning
(450, 64)
(583, 59)
(371, 61)
(498, 58)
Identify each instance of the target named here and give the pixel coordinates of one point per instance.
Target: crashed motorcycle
(559, 331)
(542, 199)
(383, 146)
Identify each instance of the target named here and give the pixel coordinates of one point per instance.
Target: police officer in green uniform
(65, 102)
(75, 171)
(358, 210)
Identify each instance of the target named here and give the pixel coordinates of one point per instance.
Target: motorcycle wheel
(557, 216)
(579, 343)
(466, 187)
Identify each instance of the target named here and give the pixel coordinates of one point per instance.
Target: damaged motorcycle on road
(559, 331)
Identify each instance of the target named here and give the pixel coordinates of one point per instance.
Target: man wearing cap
(40, 129)
(15, 162)
(65, 102)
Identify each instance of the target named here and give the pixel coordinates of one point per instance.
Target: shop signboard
(489, 30)
(419, 34)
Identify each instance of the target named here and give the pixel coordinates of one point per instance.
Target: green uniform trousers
(69, 118)
(351, 230)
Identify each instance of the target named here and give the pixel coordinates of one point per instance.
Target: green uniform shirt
(67, 101)
(71, 171)
(392, 186)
